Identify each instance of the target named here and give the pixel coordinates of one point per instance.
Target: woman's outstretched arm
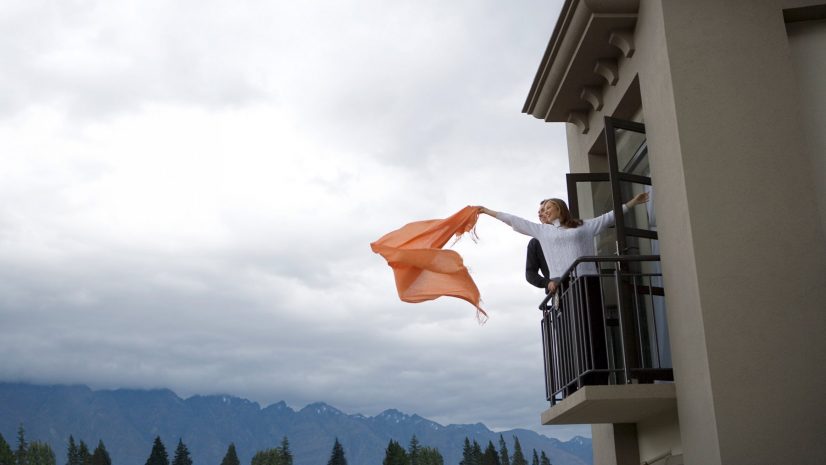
(601, 223)
(518, 224)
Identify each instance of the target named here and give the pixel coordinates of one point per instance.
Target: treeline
(40, 453)
(416, 454)
(472, 454)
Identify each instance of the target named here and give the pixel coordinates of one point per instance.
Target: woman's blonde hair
(565, 218)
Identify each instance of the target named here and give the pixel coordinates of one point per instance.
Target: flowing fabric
(424, 271)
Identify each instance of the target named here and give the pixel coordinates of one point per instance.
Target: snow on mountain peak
(579, 440)
(321, 408)
(393, 415)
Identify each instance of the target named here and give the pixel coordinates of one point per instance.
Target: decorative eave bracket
(580, 118)
(608, 69)
(592, 95)
(624, 41)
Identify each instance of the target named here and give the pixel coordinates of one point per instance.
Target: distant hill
(128, 420)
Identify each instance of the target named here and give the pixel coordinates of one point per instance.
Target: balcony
(605, 343)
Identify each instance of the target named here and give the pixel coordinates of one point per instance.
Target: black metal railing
(606, 328)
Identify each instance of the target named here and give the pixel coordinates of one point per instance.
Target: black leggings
(589, 327)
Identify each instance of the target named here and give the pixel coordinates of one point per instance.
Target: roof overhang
(581, 57)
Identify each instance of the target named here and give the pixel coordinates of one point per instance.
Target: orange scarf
(424, 271)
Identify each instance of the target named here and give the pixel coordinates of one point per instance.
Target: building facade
(732, 96)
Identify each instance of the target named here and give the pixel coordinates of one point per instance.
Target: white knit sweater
(560, 245)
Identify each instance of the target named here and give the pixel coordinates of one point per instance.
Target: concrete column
(744, 257)
(615, 444)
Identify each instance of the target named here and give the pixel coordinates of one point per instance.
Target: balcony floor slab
(627, 403)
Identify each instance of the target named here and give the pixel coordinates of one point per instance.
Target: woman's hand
(486, 211)
(638, 199)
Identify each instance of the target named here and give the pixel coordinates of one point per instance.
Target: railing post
(547, 349)
(621, 316)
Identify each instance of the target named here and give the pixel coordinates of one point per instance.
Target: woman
(561, 236)
(563, 240)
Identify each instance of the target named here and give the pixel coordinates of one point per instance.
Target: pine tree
(266, 457)
(337, 455)
(272, 456)
(430, 456)
(476, 453)
(543, 459)
(260, 458)
(101, 456)
(504, 454)
(231, 457)
(535, 460)
(490, 457)
(395, 454)
(21, 455)
(286, 455)
(413, 451)
(181, 454)
(84, 457)
(6, 454)
(518, 456)
(41, 453)
(158, 455)
(71, 452)
(467, 453)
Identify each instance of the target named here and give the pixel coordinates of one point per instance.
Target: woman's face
(548, 212)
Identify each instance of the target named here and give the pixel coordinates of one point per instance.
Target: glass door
(592, 194)
(630, 174)
(635, 296)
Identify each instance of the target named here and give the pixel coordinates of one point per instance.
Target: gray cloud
(189, 193)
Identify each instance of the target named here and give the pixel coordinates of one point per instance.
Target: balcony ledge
(627, 403)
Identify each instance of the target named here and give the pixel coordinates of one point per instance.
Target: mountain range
(128, 420)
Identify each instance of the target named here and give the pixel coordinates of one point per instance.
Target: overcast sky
(188, 191)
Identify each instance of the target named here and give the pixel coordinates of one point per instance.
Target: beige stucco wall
(659, 437)
(807, 43)
(615, 444)
(739, 169)
(687, 331)
(743, 255)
